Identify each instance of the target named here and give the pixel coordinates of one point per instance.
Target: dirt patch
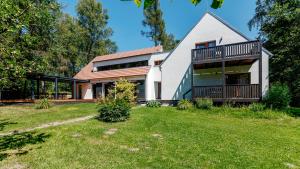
(156, 135)
(111, 131)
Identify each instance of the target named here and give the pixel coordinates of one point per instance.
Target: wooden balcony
(229, 52)
(245, 93)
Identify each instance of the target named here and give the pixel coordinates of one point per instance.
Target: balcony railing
(250, 91)
(230, 51)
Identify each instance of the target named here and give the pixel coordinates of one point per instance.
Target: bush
(278, 97)
(43, 104)
(114, 111)
(204, 103)
(123, 90)
(153, 103)
(257, 107)
(184, 104)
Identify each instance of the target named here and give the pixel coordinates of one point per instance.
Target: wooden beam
(32, 89)
(74, 90)
(223, 72)
(260, 71)
(56, 89)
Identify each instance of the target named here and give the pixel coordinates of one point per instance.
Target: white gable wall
(154, 75)
(176, 70)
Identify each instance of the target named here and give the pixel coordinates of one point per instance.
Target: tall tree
(65, 52)
(93, 19)
(157, 29)
(279, 28)
(26, 32)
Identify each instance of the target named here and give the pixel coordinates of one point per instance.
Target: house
(213, 60)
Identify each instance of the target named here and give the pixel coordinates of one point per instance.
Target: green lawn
(162, 138)
(24, 116)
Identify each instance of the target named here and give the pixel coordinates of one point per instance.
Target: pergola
(56, 80)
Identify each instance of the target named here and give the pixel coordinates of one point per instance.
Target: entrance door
(97, 90)
(158, 90)
(80, 92)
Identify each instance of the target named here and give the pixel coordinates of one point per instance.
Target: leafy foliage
(257, 107)
(93, 19)
(157, 31)
(26, 33)
(204, 103)
(184, 104)
(153, 103)
(114, 111)
(123, 90)
(43, 104)
(278, 96)
(148, 3)
(278, 22)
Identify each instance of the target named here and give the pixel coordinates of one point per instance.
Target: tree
(65, 52)
(93, 19)
(147, 3)
(157, 31)
(27, 28)
(279, 29)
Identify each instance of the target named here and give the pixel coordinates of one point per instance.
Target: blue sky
(180, 16)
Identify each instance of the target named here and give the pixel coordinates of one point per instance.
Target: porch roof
(87, 74)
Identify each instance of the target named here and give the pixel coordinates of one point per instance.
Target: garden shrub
(123, 90)
(278, 96)
(114, 110)
(43, 104)
(153, 103)
(184, 104)
(256, 107)
(204, 103)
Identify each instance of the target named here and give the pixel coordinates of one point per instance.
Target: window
(158, 62)
(123, 65)
(205, 44)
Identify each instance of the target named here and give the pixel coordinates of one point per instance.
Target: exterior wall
(265, 73)
(86, 89)
(154, 75)
(176, 70)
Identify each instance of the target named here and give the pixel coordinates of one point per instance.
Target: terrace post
(223, 71)
(74, 90)
(192, 74)
(260, 71)
(32, 89)
(56, 89)
(38, 88)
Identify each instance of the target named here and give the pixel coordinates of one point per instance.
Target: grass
(25, 116)
(164, 138)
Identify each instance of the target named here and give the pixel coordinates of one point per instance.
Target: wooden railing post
(260, 71)
(223, 70)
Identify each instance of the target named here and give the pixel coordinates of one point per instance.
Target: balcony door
(238, 79)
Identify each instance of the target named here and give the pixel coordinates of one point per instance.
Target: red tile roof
(87, 74)
(127, 54)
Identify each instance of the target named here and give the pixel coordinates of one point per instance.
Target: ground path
(46, 125)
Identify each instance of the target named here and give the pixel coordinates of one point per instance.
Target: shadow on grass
(13, 144)
(4, 123)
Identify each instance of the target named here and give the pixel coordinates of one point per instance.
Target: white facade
(151, 78)
(174, 74)
(176, 69)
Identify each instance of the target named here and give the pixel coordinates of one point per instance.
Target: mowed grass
(25, 116)
(164, 138)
